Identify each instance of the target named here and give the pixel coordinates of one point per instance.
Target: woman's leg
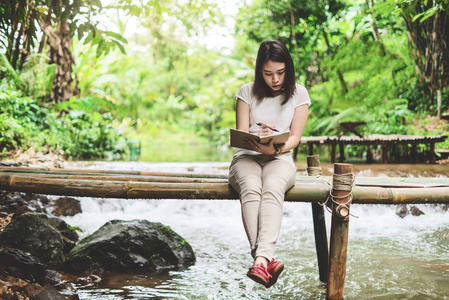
(278, 176)
(245, 176)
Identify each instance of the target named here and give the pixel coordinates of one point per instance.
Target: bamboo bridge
(387, 142)
(342, 189)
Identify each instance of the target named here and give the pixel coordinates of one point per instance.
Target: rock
(137, 245)
(11, 201)
(19, 274)
(415, 211)
(20, 211)
(30, 268)
(49, 293)
(66, 206)
(402, 210)
(46, 238)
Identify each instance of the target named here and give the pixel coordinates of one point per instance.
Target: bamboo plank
(118, 177)
(307, 189)
(399, 182)
(108, 172)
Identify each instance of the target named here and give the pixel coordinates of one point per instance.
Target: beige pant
(261, 182)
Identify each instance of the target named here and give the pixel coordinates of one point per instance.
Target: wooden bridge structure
(388, 143)
(338, 192)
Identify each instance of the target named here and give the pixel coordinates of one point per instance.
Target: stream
(389, 257)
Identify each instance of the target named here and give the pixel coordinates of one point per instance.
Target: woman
(273, 102)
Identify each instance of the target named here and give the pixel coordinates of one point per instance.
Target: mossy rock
(44, 237)
(136, 245)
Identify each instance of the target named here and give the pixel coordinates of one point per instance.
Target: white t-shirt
(270, 111)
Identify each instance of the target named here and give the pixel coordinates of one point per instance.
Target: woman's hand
(266, 129)
(262, 148)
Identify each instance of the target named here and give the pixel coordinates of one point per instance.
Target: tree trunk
(64, 86)
(376, 35)
(343, 85)
(429, 47)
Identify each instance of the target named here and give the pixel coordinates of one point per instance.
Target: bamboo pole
(319, 222)
(106, 172)
(306, 189)
(339, 235)
(116, 177)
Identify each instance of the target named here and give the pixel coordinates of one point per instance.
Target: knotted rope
(314, 171)
(341, 182)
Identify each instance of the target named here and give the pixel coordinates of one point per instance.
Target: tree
(26, 23)
(301, 25)
(428, 35)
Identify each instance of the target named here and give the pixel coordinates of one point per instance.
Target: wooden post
(295, 152)
(432, 152)
(319, 223)
(342, 152)
(369, 155)
(339, 233)
(384, 154)
(310, 148)
(413, 153)
(333, 146)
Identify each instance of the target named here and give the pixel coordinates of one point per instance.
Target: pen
(261, 124)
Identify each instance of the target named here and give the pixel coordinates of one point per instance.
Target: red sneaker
(259, 274)
(274, 268)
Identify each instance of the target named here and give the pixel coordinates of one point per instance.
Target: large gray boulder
(136, 245)
(45, 238)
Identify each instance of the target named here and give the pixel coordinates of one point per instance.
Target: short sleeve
(245, 93)
(301, 96)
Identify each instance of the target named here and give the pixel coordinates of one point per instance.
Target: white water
(388, 257)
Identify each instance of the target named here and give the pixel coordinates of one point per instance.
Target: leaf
(134, 10)
(66, 14)
(100, 47)
(431, 12)
(120, 46)
(89, 38)
(383, 8)
(418, 16)
(57, 8)
(64, 105)
(97, 3)
(116, 36)
(81, 29)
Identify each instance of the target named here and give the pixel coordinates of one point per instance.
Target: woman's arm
(296, 128)
(242, 115)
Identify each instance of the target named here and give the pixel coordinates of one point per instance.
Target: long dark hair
(275, 51)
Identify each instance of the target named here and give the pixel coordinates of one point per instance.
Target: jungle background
(84, 77)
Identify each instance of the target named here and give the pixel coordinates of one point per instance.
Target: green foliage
(34, 80)
(18, 115)
(168, 89)
(189, 86)
(81, 128)
(300, 25)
